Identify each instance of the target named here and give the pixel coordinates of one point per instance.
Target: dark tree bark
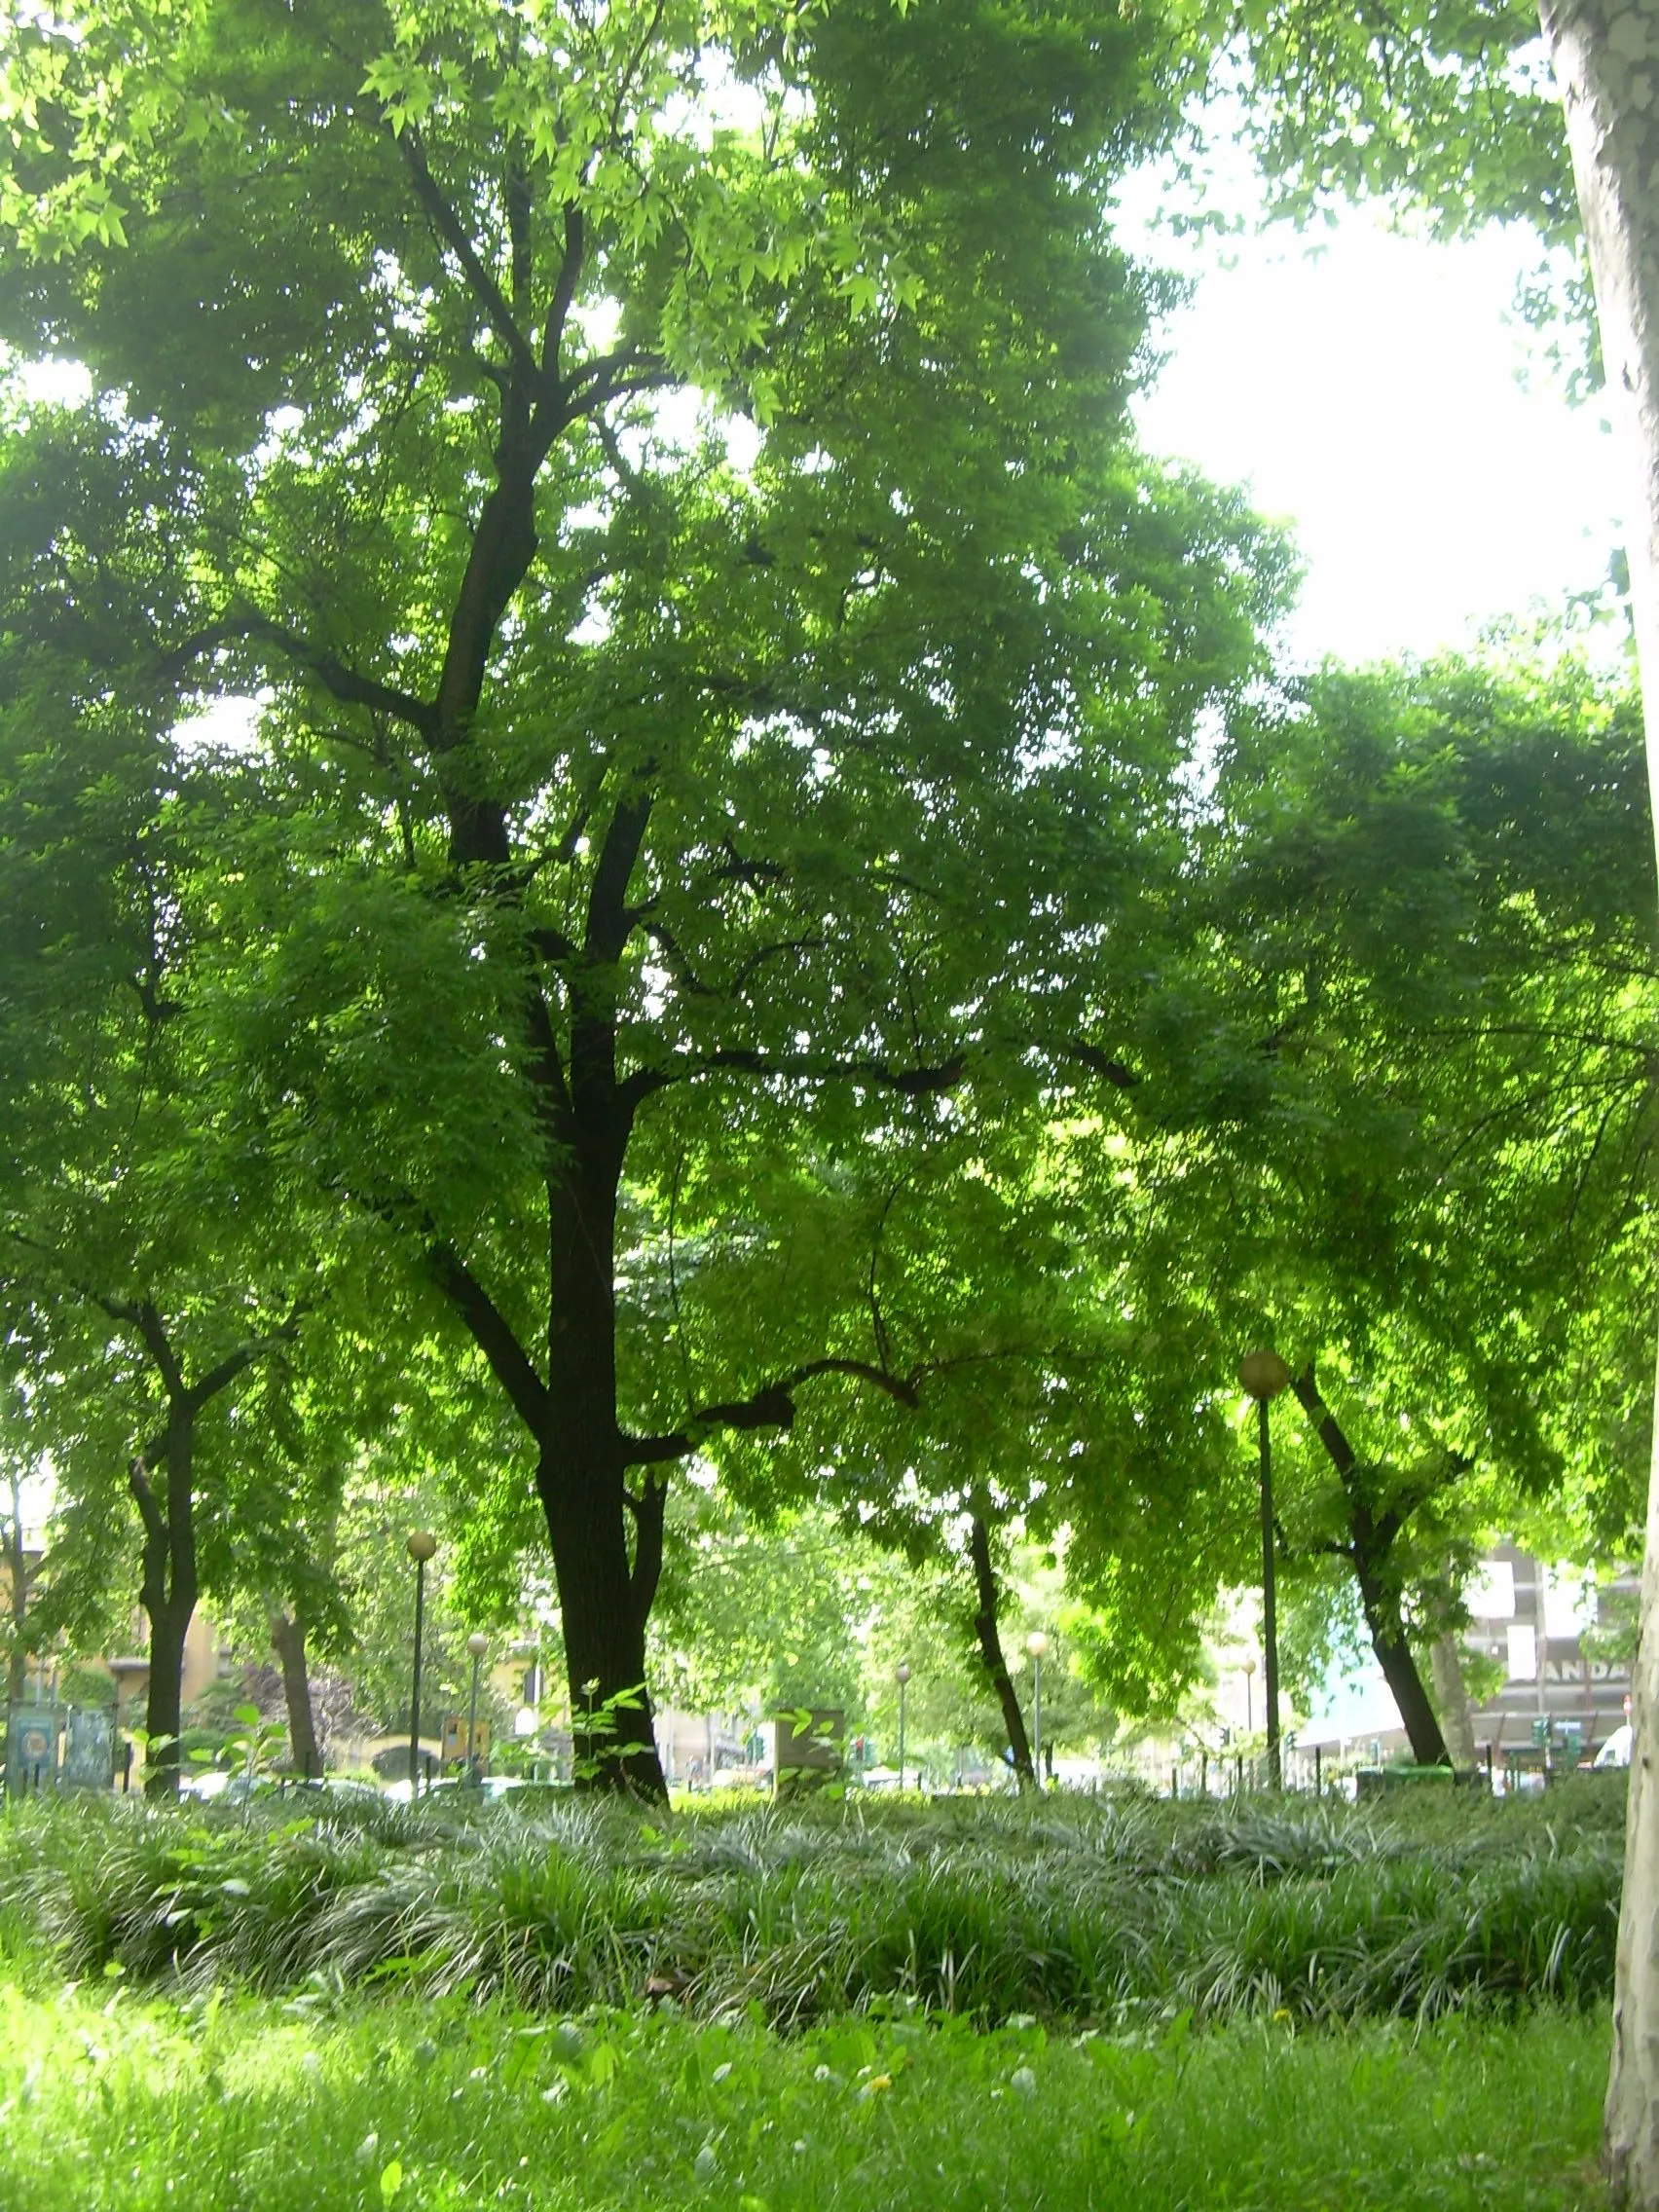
(168, 1588)
(288, 1637)
(1371, 1540)
(1399, 1668)
(986, 1628)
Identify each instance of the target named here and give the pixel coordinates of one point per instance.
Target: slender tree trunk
(1371, 1540)
(990, 1634)
(288, 1637)
(1399, 1666)
(1451, 1697)
(1606, 57)
(169, 1591)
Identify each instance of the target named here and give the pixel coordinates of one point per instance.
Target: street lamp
(902, 1676)
(477, 1644)
(1248, 1671)
(1036, 1644)
(1264, 1375)
(420, 1545)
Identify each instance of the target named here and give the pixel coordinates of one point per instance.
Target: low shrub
(1091, 1913)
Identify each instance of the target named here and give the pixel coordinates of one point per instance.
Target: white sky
(1380, 394)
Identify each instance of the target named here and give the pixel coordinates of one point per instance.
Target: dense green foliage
(600, 920)
(703, 920)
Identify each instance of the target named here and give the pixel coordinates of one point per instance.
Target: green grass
(1115, 1914)
(118, 2103)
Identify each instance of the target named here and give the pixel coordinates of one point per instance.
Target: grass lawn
(1078, 2005)
(120, 2102)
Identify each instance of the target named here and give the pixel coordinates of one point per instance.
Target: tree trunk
(169, 1591)
(603, 1601)
(170, 1624)
(1604, 54)
(288, 1636)
(986, 1628)
(1631, 2138)
(604, 1643)
(1371, 1540)
(1451, 1697)
(1399, 1668)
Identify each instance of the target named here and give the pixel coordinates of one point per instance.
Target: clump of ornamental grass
(1091, 1913)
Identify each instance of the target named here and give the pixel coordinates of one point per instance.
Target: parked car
(1616, 1752)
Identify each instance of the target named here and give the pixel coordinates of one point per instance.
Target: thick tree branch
(1100, 1062)
(770, 1407)
(219, 1378)
(140, 1315)
(553, 945)
(484, 287)
(1373, 1534)
(138, 1482)
(668, 945)
(612, 376)
(610, 918)
(564, 292)
(341, 683)
(1338, 1448)
(492, 1332)
(648, 1508)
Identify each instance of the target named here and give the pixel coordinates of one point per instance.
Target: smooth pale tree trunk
(289, 1638)
(1451, 1696)
(989, 1630)
(1606, 57)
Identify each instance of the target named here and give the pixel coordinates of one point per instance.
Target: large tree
(619, 767)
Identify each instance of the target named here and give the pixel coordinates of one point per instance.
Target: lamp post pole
(1036, 1644)
(477, 1644)
(421, 1546)
(902, 1678)
(1249, 1673)
(1263, 1375)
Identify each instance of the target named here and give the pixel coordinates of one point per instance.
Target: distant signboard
(89, 1750)
(31, 1748)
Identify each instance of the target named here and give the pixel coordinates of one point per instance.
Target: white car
(1616, 1752)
